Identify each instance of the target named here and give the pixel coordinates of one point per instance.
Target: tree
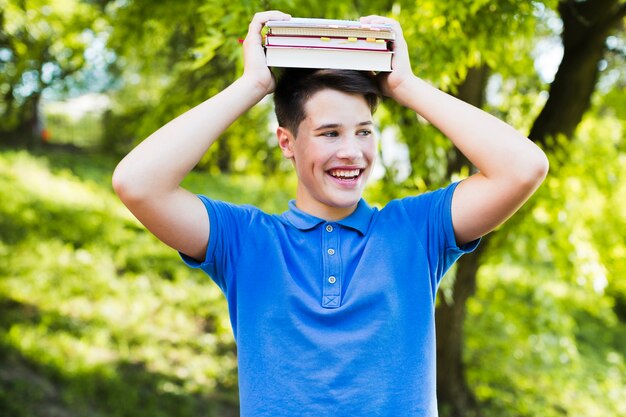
(42, 45)
(586, 27)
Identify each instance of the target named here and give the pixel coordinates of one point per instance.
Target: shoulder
(422, 203)
(221, 208)
(228, 218)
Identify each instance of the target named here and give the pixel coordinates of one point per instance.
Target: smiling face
(333, 153)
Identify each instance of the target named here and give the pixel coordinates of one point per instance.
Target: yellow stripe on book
(325, 38)
(352, 39)
(370, 39)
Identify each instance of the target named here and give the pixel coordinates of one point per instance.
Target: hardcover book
(328, 59)
(329, 27)
(328, 43)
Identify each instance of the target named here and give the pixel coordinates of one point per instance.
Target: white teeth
(351, 173)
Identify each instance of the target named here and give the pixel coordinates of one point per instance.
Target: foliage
(42, 46)
(97, 317)
(174, 61)
(545, 312)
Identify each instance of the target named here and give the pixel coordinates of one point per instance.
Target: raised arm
(148, 179)
(511, 167)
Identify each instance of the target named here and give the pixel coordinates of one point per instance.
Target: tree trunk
(454, 396)
(31, 126)
(26, 132)
(224, 157)
(586, 25)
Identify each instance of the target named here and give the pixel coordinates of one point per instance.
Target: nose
(350, 149)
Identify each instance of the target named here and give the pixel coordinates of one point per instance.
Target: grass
(97, 317)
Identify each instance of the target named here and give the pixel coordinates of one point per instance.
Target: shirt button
(329, 228)
(331, 251)
(332, 279)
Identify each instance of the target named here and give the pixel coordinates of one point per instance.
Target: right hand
(255, 66)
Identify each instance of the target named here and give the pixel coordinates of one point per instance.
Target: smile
(345, 174)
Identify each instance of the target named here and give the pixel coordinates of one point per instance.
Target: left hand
(391, 82)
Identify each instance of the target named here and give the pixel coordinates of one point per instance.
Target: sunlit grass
(99, 307)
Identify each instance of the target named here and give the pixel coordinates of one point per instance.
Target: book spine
(323, 47)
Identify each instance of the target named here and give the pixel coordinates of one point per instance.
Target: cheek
(315, 155)
(370, 150)
(307, 159)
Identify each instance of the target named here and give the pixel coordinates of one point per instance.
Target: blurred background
(97, 318)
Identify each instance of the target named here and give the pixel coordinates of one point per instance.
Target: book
(368, 44)
(329, 27)
(329, 43)
(353, 59)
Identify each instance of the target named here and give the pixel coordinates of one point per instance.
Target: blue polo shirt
(334, 318)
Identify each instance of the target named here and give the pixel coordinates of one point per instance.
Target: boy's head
(296, 86)
(326, 130)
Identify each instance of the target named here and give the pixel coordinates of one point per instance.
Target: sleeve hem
(193, 263)
(449, 228)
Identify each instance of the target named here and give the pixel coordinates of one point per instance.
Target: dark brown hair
(295, 86)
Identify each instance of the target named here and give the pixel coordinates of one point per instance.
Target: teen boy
(332, 302)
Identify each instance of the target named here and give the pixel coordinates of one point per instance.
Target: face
(333, 153)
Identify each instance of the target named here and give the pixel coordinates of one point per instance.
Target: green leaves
(98, 307)
(544, 336)
(42, 45)
(96, 316)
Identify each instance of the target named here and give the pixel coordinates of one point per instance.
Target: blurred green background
(97, 318)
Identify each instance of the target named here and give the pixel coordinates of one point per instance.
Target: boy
(332, 302)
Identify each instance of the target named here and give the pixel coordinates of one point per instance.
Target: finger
(261, 18)
(256, 25)
(377, 20)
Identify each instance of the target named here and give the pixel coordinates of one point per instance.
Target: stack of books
(328, 43)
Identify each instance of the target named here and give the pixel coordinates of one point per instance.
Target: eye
(364, 132)
(330, 134)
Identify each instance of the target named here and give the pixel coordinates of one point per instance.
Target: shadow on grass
(27, 218)
(29, 387)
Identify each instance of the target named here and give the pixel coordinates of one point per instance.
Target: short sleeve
(229, 225)
(432, 216)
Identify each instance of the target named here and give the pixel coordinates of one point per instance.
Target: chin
(345, 201)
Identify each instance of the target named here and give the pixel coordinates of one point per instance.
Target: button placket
(331, 294)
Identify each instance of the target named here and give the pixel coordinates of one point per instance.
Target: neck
(323, 211)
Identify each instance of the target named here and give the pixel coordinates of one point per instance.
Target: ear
(285, 141)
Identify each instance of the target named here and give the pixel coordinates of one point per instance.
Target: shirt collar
(358, 220)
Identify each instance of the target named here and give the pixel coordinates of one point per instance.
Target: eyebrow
(336, 125)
